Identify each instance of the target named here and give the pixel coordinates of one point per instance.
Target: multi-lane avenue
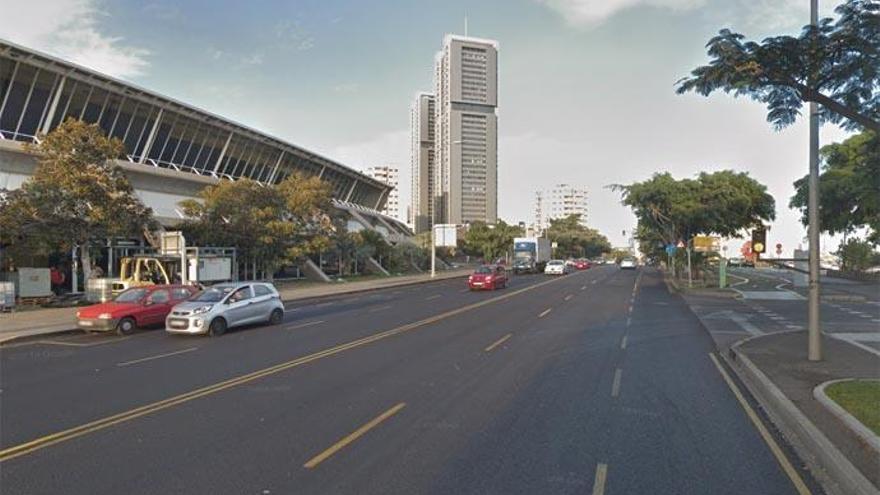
(597, 382)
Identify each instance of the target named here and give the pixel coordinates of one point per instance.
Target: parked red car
(133, 308)
(489, 277)
(582, 264)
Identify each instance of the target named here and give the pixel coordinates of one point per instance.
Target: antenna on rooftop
(465, 26)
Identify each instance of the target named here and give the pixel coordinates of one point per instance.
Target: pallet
(34, 301)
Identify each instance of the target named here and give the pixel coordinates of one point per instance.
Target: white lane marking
(292, 310)
(497, 343)
(615, 385)
(623, 342)
(306, 324)
(435, 296)
(599, 482)
(160, 356)
(745, 324)
(793, 327)
(462, 291)
(583, 287)
(380, 308)
(568, 297)
(594, 281)
(545, 312)
(628, 320)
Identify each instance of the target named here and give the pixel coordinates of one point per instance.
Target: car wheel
(217, 328)
(126, 326)
(276, 316)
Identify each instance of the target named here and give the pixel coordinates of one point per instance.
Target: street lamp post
(814, 346)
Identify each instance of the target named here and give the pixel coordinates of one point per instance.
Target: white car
(628, 264)
(556, 267)
(224, 306)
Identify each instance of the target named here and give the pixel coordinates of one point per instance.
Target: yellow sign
(705, 243)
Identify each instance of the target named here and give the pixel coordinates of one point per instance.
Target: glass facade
(37, 93)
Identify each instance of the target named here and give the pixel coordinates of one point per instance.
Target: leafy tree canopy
(722, 203)
(849, 187)
(76, 196)
(835, 64)
(490, 241)
(575, 240)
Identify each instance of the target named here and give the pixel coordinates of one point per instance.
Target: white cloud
(69, 29)
(594, 12)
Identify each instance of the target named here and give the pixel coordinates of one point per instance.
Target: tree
(77, 196)
(574, 240)
(490, 241)
(308, 203)
(722, 203)
(849, 187)
(834, 64)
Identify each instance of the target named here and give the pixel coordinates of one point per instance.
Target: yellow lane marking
(792, 473)
(341, 444)
(498, 342)
(545, 312)
(599, 482)
(160, 356)
(100, 424)
(623, 342)
(568, 297)
(435, 296)
(380, 308)
(615, 385)
(306, 324)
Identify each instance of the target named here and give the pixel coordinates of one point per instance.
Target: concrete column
(151, 136)
(271, 178)
(351, 190)
(222, 153)
(47, 123)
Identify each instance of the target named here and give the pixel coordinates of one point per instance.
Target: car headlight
(202, 309)
(105, 316)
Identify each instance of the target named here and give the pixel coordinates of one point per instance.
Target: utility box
(32, 282)
(7, 296)
(209, 269)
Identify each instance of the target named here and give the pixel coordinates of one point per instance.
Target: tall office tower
(390, 176)
(422, 161)
(466, 131)
(559, 202)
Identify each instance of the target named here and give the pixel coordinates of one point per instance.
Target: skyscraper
(422, 161)
(389, 175)
(466, 131)
(558, 202)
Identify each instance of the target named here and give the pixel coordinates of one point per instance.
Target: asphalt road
(597, 382)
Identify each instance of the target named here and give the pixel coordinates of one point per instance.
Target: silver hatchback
(224, 306)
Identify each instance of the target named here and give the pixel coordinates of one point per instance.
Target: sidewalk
(776, 370)
(22, 324)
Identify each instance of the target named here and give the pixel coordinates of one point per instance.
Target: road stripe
(583, 287)
(110, 340)
(341, 444)
(792, 473)
(380, 308)
(464, 290)
(435, 296)
(568, 297)
(615, 385)
(599, 482)
(623, 342)
(306, 324)
(545, 312)
(498, 342)
(628, 321)
(125, 416)
(159, 356)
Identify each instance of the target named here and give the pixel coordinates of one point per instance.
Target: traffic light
(759, 240)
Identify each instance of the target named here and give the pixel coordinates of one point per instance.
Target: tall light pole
(814, 346)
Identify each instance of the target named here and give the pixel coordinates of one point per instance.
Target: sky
(586, 87)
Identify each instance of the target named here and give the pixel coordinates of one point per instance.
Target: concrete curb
(870, 439)
(57, 329)
(837, 475)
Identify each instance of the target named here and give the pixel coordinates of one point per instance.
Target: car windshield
(131, 295)
(483, 269)
(555, 262)
(214, 294)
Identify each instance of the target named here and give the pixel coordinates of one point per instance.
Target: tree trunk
(86, 259)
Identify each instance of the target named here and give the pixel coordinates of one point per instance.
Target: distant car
(133, 308)
(628, 264)
(488, 277)
(582, 264)
(557, 267)
(523, 265)
(225, 306)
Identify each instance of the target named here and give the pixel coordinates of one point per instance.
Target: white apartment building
(466, 131)
(557, 202)
(421, 210)
(389, 175)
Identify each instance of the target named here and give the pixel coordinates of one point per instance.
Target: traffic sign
(705, 243)
(680, 244)
(670, 249)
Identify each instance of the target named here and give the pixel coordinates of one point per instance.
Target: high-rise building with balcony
(389, 175)
(560, 201)
(422, 162)
(466, 131)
